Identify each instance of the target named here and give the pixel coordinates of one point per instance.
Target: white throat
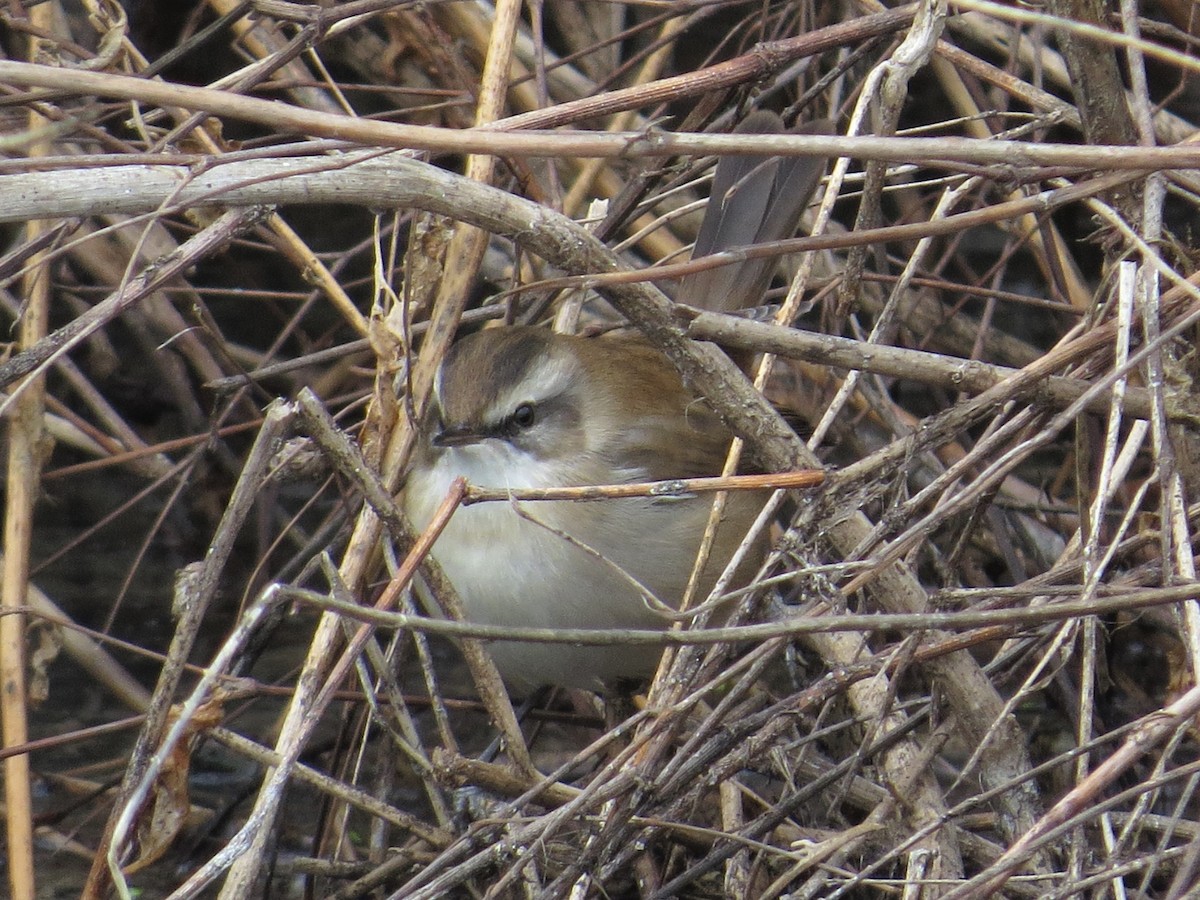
(509, 570)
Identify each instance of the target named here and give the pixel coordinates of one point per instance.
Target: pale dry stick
(953, 373)
(828, 854)
(655, 226)
(25, 430)
(1164, 826)
(995, 620)
(195, 588)
(1093, 568)
(1093, 33)
(1175, 490)
(496, 140)
(1130, 453)
(505, 782)
(1149, 732)
(135, 799)
(314, 268)
(375, 178)
(1175, 499)
(1116, 883)
(1036, 98)
(1176, 539)
(327, 77)
(65, 432)
(493, 39)
(735, 879)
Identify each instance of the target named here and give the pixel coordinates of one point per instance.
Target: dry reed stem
(25, 434)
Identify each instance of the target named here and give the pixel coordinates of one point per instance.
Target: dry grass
(972, 672)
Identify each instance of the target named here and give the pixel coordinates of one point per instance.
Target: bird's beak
(456, 436)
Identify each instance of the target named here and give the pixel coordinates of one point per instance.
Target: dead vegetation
(969, 670)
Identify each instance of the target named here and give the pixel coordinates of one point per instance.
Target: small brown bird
(528, 408)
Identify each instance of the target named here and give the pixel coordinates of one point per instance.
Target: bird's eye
(524, 415)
